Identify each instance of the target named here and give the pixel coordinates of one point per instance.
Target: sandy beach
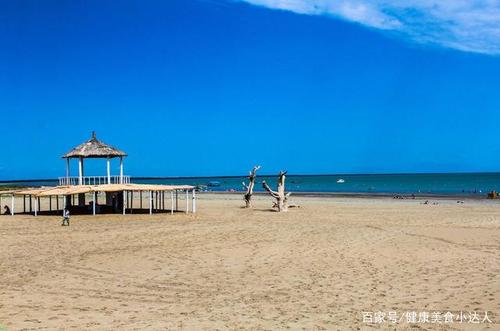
(322, 266)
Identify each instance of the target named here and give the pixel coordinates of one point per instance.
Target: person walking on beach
(65, 217)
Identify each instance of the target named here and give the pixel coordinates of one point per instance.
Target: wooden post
(108, 170)
(80, 171)
(194, 201)
(24, 203)
(57, 202)
(31, 209)
(156, 201)
(12, 205)
(171, 202)
(67, 171)
(187, 201)
(64, 203)
(124, 202)
(121, 169)
(150, 200)
(50, 202)
(176, 200)
(37, 201)
(39, 204)
(140, 198)
(93, 207)
(131, 201)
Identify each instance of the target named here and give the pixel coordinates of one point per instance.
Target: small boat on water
(213, 183)
(340, 181)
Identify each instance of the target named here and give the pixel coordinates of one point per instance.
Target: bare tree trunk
(251, 177)
(280, 195)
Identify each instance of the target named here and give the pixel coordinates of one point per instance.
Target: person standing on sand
(65, 217)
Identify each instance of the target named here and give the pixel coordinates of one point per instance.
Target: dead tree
(280, 195)
(251, 177)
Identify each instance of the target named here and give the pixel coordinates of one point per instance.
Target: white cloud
(467, 25)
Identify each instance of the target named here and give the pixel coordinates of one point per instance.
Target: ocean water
(467, 183)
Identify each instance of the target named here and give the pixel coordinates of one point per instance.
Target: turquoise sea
(443, 184)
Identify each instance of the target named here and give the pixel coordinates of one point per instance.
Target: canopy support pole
(187, 201)
(80, 171)
(150, 200)
(171, 202)
(194, 201)
(124, 192)
(131, 201)
(94, 203)
(37, 201)
(121, 169)
(108, 170)
(13, 204)
(67, 171)
(64, 203)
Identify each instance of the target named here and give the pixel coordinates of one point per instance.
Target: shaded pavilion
(117, 190)
(159, 199)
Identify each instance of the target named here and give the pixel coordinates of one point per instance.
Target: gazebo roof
(94, 148)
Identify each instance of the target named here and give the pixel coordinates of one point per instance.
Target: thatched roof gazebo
(93, 148)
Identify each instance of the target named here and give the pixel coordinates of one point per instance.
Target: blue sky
(192, 88)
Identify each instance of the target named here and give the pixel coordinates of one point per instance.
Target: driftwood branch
(280, 195)
(268, 189)
(248, 195)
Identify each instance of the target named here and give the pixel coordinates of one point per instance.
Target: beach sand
(315, 267)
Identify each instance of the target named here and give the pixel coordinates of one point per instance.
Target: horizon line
(267, 175)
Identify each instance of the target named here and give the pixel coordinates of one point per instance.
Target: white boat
(340, 181)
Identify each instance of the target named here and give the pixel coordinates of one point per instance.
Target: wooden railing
(93, 180)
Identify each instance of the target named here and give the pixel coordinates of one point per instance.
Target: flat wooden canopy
(79, 189)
